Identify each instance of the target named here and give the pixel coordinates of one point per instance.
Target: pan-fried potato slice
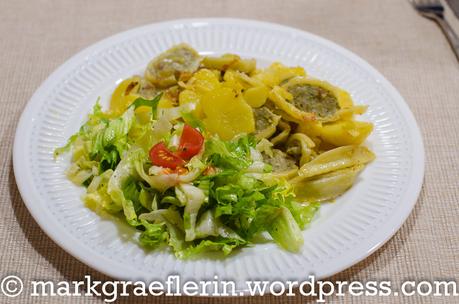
(277, 73)
(256, 96)
(189, 96)
(327, 186)
(227, 114)
(230, 62)
(336, 159)
(124, 94)
(202, 82)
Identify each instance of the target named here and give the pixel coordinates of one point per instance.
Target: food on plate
(207, 154)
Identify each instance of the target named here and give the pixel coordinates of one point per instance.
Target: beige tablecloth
(37, 36)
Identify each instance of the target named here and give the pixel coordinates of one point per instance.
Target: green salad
(217, 196)
(212, 154)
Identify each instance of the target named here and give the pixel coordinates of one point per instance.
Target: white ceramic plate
(344, 233)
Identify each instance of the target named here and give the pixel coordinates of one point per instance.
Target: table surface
(38, 36)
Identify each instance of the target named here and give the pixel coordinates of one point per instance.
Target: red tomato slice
(191, 142)
(160, 155)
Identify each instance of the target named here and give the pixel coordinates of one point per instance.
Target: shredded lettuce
(193, 198)
(230, 154)
(285, 231)
(224, 200)
(123, 190)
(225, 245)
(97, 197)
(154, 235)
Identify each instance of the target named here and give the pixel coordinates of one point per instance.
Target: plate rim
(58, 236)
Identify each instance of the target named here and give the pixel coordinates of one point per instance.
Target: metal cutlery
(433, 9)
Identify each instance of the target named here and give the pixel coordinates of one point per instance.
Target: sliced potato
(189, 96)
(256, 96)
(227, 114)
(277, 73)
(124, 94)
(204, 81)
(229, 62)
